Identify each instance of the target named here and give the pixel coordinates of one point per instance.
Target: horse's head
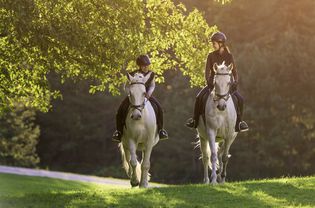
(222, 83)
(136, 92)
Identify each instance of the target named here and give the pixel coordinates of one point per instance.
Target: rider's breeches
(123, 111)
(239, 105)
(122, 114)
(158, 112)
(199, 108)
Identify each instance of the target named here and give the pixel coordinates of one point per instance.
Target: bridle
(225, 96)
(137, 107)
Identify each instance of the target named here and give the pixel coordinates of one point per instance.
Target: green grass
(26, 191)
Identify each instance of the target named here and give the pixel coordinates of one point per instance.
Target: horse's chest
(215, 120)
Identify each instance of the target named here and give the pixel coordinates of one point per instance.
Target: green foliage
(75, 135)
(96, 40)
(23, 191)
(18, 137)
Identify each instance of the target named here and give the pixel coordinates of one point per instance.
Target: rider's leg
(159, 117)
(240, 124)
(121, 119)
(193, 122)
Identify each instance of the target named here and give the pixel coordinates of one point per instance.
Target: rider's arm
(151, 87)
(208, 77)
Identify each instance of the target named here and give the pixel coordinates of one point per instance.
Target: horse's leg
(127, 155)
(134, 180)
(220, 153)
(145, 166)
(211, 135)
(225, 159)
(204, 146)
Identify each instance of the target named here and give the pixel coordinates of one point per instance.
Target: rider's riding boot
(191, 123)
(241, 127)
(117, 136)
(163, 134)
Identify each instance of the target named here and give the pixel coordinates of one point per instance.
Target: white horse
(220, 119)
(140, 132)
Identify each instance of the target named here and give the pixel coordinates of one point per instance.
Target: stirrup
(116, 136)
(242, 126)
(190, 123)
(163, 134)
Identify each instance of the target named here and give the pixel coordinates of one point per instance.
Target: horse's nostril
(221, 107)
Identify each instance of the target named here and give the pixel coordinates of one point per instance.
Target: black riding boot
(159, 117)
(198, 108)
(241, 125)
(121, 119)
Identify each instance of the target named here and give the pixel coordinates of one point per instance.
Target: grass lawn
(37, 192)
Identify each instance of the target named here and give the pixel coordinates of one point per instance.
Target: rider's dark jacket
(216, 57)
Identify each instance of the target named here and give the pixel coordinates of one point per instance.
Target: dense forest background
(273, 43)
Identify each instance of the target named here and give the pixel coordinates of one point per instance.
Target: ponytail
(227, 49)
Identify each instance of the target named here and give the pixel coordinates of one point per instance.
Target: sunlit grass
(24, 191)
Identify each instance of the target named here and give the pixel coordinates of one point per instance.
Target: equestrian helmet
(218, 37)
(143, 60)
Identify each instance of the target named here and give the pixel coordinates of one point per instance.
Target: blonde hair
(227, 49)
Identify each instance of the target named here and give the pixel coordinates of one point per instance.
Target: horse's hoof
(214, 183)
(134, 183)
(206, 181)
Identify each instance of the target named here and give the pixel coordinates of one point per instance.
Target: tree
(95, 40)
(18, 137)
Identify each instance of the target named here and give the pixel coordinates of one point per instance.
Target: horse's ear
(129, 77)
(215, 67)
(230, 67)
(146, 78)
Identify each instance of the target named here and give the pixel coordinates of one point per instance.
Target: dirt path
(62, 175)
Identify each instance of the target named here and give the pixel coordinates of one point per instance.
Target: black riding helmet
(143, 60)
(218, 37)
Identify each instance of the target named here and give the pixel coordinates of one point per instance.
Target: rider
(143, 62)
(220, 54)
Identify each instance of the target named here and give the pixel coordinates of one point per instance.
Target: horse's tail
(124, 159)
(125, 163)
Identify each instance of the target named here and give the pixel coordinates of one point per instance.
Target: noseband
(138, 107)
(225, 96)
